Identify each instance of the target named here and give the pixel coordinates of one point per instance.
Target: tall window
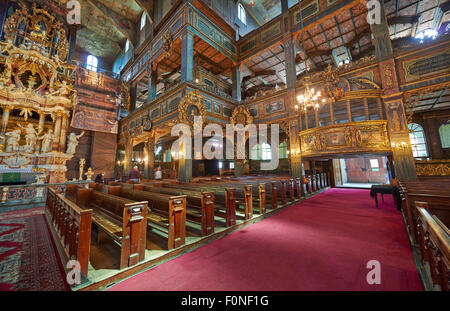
(92, 63)
(283, 151)
(418, 143)
(444, 133)
(261, 152)
(242, 16)
(127, 46)
(143, 20)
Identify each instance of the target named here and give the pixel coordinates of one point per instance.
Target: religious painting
(217, 108)
(396, 116)
(95, 116)
(174, 103)
(254, 112)
(208, 105)
(425, 66)
(192, 112)
(270, 108)
(227, 112)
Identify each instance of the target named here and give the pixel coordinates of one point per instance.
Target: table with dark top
(385, 189)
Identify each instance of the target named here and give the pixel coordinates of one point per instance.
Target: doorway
(361, 172)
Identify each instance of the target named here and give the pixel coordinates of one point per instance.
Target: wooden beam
(402, 20)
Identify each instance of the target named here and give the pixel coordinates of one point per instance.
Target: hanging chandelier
(310, 97)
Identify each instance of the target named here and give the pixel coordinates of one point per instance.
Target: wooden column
(404, 163)
(152, 79)
(349, 110)
(306, 119)
(57, 131)
(380, 108)
(187, 57)
(316, 112)
(366, 108)
(331, 112)
(5, 117)
(62, 137)
(128, 158)
(237, 83)
(149, 163)
(41, 122)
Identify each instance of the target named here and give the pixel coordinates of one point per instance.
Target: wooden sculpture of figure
(89, 174)
(30, 136)
(73, 142)
(12, 140)
(46, 141)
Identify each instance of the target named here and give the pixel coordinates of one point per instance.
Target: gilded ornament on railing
(433, 168)
(168, 44)
(366, 136)
(241, 115)
(191, 105)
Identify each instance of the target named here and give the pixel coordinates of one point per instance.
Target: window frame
(414, 130)
(92, 63)
(242, 14)
(143, 21)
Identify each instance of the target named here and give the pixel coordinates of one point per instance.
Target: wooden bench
(73, 226)
(121, 220)
(167, 217)
(434, 244)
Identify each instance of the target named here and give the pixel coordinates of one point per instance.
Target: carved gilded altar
(36, 96)
(355, 137)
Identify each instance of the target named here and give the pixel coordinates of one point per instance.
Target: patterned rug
(28, 255)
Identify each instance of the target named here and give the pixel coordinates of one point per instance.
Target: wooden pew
(434, 244)
(167, 216)
(73, 226)
(436, 196)
(121, 220)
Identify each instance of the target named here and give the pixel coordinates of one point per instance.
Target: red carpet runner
(28, 256)
(323, 243)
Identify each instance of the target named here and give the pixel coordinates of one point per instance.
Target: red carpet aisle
(28, 260)
(323, 243)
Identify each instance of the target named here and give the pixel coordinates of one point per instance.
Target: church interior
(315, 146)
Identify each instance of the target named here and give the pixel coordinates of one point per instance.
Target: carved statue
(46, 141)
(73, 142)
(82, 163)
(13, 138)
(30, 136)
(89, 174)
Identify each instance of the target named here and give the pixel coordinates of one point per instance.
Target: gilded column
(5, 118)
(41, 122)
(57, 131)
(316, 111)
(62, 138)
(331, 113)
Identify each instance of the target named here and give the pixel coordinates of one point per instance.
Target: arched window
(418, 143)
(143, 20)
(283, 151)
(92, 63)
(242, 15)
(255, 153)
(266, 152)
(444, 133)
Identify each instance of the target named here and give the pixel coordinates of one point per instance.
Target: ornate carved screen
(355, 137)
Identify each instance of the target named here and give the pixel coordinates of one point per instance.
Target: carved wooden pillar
(149, 151)
(306, 119)
(152, 80)
(57, 131)
(5, 117)
(316, 112)
(128, 157)
(62, 138)
(404, 162)
(41, 122)
(237, 83)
